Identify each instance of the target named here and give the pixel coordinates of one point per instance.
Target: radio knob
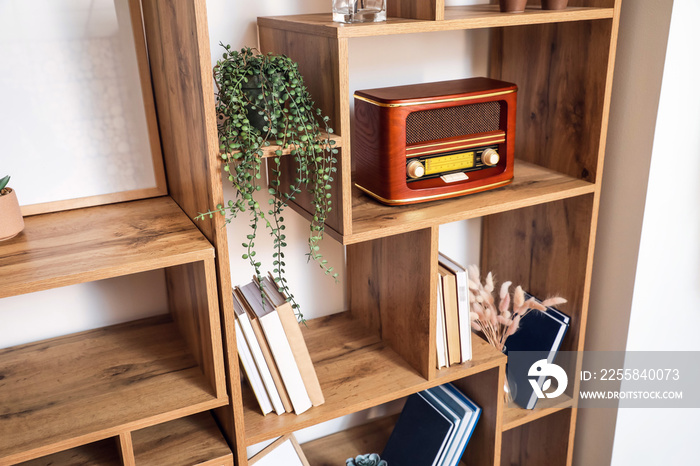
(415, 169)
(490, 157)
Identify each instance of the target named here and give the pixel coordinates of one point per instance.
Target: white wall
(665, 313)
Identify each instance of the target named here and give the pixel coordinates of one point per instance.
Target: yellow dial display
(449, 162)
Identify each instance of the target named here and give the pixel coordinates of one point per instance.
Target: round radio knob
(415, 169)
(490, 157)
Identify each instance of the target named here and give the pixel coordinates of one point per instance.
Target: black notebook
(420, 436)
(540, 335)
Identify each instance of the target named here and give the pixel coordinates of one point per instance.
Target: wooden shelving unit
(538, 231)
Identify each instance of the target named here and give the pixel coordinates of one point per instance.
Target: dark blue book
(539, 337)
(468, 413)
(420, 435)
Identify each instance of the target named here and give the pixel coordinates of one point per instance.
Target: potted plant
(11, 221)
(261, 102)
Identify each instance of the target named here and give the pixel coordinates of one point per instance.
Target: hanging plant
(261, 102)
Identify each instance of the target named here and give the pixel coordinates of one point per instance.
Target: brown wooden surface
(270, 150)
(531, 185)
(329, 90)
(67, 391)
(514, 415)
(194, 305)
(456, 18)
(189, 441)
(126, 449)
(357, 370)
(561, 74)
(416, 9)
(390, 294)
(485, 389)
(178, 43)
(77, 246)
(540, 443)
(103, 453)
(333, 449)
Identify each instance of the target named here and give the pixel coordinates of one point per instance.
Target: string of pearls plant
(262, 101)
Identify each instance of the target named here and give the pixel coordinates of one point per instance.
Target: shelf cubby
(72, 390)
(515, 416)
(189, 441)
(543, 442)
(105, 453)
(94, 243)
(357, 370)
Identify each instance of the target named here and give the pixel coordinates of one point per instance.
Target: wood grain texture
(329, 89)
(60, 393)
(456, 18)
(485, 389)
(194, 305)
(540, 443)
(416, 9)
(357, 370)
(77, 246)
(545, 249)
(178, 41)
(531, 185)
(390, 293)
(561, 74)
(189, 441)
(514, 415)
(366, 438)
(103, 453)
(126, 449)
(89, 201)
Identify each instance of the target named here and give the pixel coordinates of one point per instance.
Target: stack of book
(433, 428)
(453, 333)
(272, 350)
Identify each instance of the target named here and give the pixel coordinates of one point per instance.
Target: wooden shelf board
(94, 243)
(104, 453)
(189, 441)
(357, 370)
(514, 415)
(531, 185)
(270, 151)
(366, 438)
(456, 18)
(64, 392)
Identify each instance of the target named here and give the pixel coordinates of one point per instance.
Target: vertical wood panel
(126, 449)
(392, 286)
(416, 9)
(485, 389)
(560, 70)
(178, 43)
(323, 64)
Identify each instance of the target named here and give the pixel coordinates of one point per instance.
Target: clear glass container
(359, 11)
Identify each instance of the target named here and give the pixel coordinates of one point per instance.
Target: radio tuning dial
(490, 157)
(415, 169)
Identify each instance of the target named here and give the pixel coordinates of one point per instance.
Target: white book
(251, 371)
(441, 341)
(279, 346)
(258, 357)
(465, 328)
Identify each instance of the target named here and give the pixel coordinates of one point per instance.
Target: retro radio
(433, 141)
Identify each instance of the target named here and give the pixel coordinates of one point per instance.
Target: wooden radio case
(432, 141)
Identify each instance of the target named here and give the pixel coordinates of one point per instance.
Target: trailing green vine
(270, 89)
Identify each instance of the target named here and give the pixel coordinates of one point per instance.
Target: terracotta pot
(512, 6)
(11, 221)
(554, 4)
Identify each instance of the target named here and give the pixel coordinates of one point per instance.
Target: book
(420, 435)
(296, 342)
(469, 414)
(256, 344)
(279, 346)
(465, 330)
(251, 371)
(440, 343)
(539, 337)
(449, 296)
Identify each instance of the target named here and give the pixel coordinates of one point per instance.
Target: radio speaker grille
(446, 122)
